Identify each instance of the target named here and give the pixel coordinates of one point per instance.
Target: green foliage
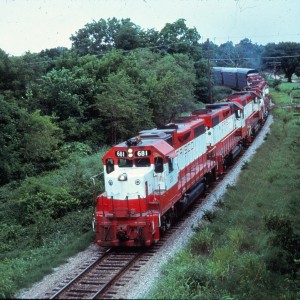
(220, 93)
(245, 54)
(43, 199)
(202, 243)
(285, 54)
(172, 85)
(46, 219)
(32, 265)
(276, 83)
(122, 107)
(63, 91)
(71, 150)
(178, 38)
(209, 215)
(41, 138)
(9, 234)
(285, 245)
(101, 36)
(29, 142)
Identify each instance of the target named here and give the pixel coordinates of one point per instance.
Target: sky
(36, 25)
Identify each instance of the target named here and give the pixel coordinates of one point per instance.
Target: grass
(32, 245)
(251, 248)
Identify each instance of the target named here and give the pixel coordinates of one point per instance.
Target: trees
(226, 55)
(144, 90)
(122, 107)
(248, 54)
(29, 142)
(245, 54)
(102, 36)
(6, 74)
(172, 85)
(178, 38)
(116, 79)
(287, 54)
(61, 92)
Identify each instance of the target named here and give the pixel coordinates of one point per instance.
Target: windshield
(139, 162)
(142, 162)
(125, 163)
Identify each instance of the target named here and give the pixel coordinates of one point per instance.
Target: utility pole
(208, 71)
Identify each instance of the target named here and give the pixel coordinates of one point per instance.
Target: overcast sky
(35, 25)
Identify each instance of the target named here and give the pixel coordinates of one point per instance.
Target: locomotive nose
(122, 234)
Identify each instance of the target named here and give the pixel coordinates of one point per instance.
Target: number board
(142, 153)
(121, 153)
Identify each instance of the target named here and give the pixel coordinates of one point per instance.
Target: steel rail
(113, 280)
(59, 292)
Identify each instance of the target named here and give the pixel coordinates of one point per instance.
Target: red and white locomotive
(152, 178)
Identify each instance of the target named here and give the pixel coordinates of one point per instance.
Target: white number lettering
(120, 153)
(142, 153)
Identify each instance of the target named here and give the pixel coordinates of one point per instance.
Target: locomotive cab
(136, 175)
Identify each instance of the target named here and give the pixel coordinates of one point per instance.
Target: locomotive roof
(233, 105)
(159, 144)
(242, 96)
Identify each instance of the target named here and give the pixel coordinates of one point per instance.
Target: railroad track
(104, 276)
(96, 280)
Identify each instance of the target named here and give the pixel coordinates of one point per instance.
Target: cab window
(142, 162)
(237, 114)
(170, 163)
(158, 164)
(110, 165)
(125, 163)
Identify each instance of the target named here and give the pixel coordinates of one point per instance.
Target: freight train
(152, 178)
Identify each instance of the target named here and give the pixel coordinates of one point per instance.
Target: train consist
(152, 178)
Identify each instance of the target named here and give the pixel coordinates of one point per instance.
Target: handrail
(92, 178)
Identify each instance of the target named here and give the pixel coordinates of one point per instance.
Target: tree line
(115, 80)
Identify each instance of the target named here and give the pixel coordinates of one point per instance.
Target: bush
(38, 198)
(209, 215)
(284, 245)
(276, 83)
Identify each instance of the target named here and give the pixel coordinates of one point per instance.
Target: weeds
(209, 215)
(220, 203)
(202, 242)
(231, 187)
(245, 165)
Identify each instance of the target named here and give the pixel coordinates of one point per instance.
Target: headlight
(122, 177)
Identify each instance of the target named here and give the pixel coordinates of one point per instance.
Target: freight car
(153, 177)
(235, 78)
